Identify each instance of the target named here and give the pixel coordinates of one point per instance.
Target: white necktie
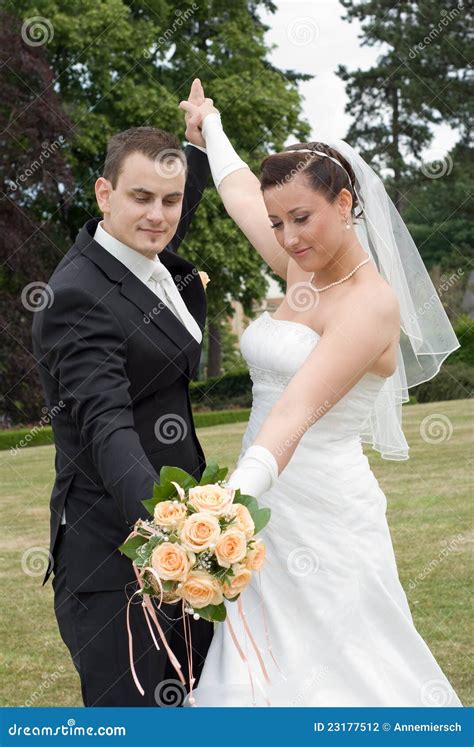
(166, 289)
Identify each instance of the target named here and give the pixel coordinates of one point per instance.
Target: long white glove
(222, 156)
(256, 472)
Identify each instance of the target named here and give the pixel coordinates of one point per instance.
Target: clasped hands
(196, 108)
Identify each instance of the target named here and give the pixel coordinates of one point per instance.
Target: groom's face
(144, 209)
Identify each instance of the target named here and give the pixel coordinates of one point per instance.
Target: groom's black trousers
(93, 627)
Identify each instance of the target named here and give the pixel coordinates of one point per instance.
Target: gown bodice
(274, 350)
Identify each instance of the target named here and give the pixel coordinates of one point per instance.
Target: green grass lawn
(429, 513)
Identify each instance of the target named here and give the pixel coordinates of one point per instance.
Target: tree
(439, 218)
(120, 64)
(441, 48)
(260, 107)
(394, 102)
(34, 179)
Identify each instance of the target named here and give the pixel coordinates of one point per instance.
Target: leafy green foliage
(165, 490)
(260, 516)
(212, 474)
(394, 102)
(131, 547)
(213, 612)
(118, 64)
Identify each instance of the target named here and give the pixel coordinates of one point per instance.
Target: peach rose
(200, 531)
(237, 583)
(201, 589)
(170, 514)
(243, 519)
(231, 547)
(211, 498)
(205, 279)
(256, 556)
(170, 561)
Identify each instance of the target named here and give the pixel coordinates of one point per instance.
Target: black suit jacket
(115, 365)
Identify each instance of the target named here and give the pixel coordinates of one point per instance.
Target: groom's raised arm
(196, 181)
(84, 348)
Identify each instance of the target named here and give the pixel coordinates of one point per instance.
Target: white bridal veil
(427, 336)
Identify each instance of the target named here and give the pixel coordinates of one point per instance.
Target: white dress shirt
(154, 274)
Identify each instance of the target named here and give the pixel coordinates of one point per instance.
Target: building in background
(270, 303)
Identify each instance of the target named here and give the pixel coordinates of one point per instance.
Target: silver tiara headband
(316, 153)
(325, 155)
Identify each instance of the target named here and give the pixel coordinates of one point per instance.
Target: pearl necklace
(338, 282)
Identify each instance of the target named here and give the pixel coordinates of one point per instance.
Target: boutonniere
(205, 279)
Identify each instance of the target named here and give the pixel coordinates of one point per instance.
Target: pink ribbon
(150, 616)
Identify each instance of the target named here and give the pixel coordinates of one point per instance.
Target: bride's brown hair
(321, 174)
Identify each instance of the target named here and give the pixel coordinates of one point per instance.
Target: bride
(327, 623)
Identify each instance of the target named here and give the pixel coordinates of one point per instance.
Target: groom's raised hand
(196, 108)
(193, 119)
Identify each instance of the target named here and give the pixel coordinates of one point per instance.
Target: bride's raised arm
(238, 187)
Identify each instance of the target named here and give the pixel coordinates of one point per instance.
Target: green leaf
(145, 551)
(175, 474)
(168, 585)
(246, 500)
(222, 473)
(130, 546)
(161, 492)
(223, 574)
(150, 504)
(261, 518)
(210, 474)
(213, 612)
(165, 490)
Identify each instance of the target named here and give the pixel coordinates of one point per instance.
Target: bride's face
(309, 228)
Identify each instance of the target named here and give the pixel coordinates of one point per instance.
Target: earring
(347, 225)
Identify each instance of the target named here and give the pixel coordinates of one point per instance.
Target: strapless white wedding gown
(337, 617)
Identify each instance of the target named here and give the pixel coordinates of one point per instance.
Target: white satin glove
(222, 156)
(256, 472)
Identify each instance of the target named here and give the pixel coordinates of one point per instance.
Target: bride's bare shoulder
(374, 296)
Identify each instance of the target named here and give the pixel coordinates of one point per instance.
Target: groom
(116, 350)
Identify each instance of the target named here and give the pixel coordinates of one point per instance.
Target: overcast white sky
(311, 37)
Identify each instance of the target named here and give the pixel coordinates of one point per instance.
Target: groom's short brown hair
(147, 140)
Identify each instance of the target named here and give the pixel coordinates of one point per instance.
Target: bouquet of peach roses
(198, 547)
(199, 544)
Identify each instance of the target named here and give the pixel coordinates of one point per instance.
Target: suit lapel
(189, 284)
(153, 310)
